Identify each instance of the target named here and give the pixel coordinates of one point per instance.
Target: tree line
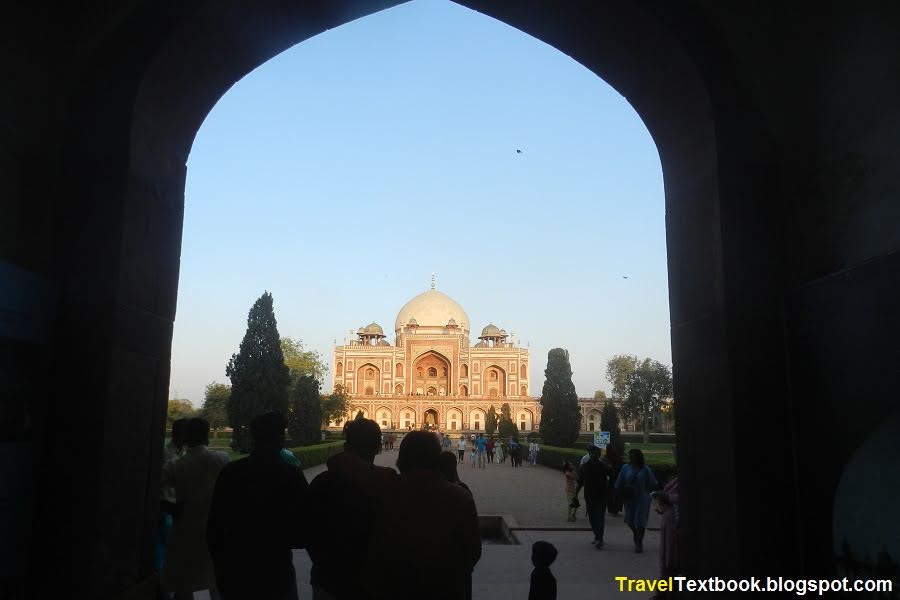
(270, 372)
(642, 385)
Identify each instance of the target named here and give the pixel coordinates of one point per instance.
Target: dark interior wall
(774, 127)
(843, 234)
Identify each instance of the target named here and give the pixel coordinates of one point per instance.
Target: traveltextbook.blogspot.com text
(800, 587)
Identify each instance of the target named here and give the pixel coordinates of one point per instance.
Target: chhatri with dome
(432, 376)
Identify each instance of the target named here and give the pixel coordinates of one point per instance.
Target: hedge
(553, 457)
(310, 456)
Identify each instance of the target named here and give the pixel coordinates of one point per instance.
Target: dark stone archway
(778, 162)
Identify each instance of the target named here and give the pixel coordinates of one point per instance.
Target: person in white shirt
(533, 450)
(461, 448)
(188, 567)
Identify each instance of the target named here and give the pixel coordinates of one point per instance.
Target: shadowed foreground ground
(535, 499)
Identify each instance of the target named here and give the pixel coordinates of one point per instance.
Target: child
(543, 583)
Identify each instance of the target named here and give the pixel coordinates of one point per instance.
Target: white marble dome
(432, 309)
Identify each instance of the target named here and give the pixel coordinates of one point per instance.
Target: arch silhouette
(198, 54)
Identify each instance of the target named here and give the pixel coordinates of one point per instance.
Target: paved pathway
(535, 498)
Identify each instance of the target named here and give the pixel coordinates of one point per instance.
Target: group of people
(610, 486)
(387, 441)
(482, 450)
(231, 527)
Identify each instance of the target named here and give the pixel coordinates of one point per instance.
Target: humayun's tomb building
(432, 376)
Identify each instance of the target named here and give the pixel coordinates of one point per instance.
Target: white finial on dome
(432, 280)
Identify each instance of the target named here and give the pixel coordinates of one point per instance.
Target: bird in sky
(624, 276)
(518, 151)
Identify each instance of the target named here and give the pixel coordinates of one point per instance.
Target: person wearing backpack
(594, 478)
(634, 484)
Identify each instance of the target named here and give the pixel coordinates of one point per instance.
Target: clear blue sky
(344, 171)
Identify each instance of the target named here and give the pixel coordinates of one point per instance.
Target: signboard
(601, 439)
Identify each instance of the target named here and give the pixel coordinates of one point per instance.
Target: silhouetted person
(448, 469)
(594, 478)
(173, 450)
(635, 482)
(614, 462)
(188, 567)
(256, 518)
(543, 583)
(431, 526)
(341, 510)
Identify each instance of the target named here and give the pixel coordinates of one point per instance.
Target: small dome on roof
(452, 323)
(412, 321)
(490, 331)
(383, 342)
(360, 330)
(481, 344)
(374, 328)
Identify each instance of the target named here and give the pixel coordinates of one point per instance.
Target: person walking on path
(515, 452)
(481, 447)
(461, 448)
(256, 517)
(571, 486)
(498, 451)
(342, 504)
(490, 450)
(445, 443)
(188, 567)
(533, 450)
(634, 484)
(614, 461)
(594, 479)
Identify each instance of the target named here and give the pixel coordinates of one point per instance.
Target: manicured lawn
(655, 454)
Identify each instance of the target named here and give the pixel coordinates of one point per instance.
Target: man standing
(256, 517)
(461, 447)
(341, 510)
(594, 478)
(481, 448)
(445, 443)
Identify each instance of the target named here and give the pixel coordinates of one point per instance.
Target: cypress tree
(560, 418)
(305, 418)
(506, 426)
(609, 421)
(490, 421)
(259, 377)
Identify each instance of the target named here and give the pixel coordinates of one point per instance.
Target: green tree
(259, 377)
(335, 405)
(179, 408)
(505, 426)
(560, 417)
(599, 395)
(617, 370)
(300, 361)
(490, 421)
(645, 389)
(305, 414)
(609, 421)
(215, 406)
